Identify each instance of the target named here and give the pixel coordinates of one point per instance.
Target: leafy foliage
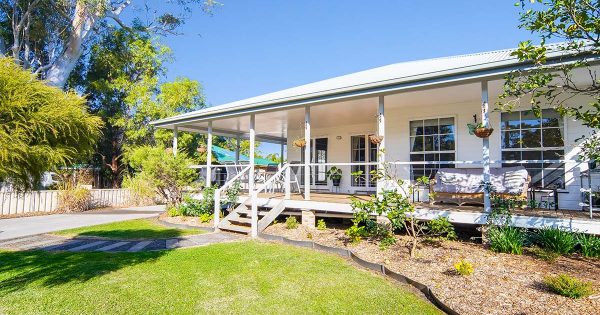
(506, 239)
(590, 245)
(41, 128)
(356, 233)
(440, 228)
(464, 268)
(568, 286)
(169, 174)
(576, 23)
(291, 222)
(321, 225)
(141, 188)
(556, 240)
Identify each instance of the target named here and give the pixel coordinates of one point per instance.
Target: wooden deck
(318, 196)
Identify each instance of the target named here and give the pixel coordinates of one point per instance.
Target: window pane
(536, 176)
(553, 177)
(511, 156)
(553, 155)
(416, 144)
(528, 120)
(552, 137)
(446, 142)
(532, 155)
(431, 126)
(416, 128)
(551, 118)
(531, 138)
(446, 125)
(511, 120)
(429, 143)
(511, 139)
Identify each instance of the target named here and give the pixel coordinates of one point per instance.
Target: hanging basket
(299, 143)
(202, 149)
(375, 139)
(483, 132)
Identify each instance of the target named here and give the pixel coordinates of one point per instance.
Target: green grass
(242, 277)
(131, 229)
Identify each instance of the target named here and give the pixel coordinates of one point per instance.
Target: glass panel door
(320, 156)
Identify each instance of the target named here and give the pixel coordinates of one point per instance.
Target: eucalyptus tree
(576, 24)
(50, 36)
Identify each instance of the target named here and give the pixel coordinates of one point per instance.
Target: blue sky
(247, 48)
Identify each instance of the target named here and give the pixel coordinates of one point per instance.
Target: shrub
(556, 240)
(142, 190)
(309, 235)
(387, 242)
(74, 199)
(590, 245)
(568, 286)
(464, 268)
(205, 217)
(441, 229)
(356, 233)
(321, 225)
(506, 239)
(291, 222)
(173, 211)
(545, 254)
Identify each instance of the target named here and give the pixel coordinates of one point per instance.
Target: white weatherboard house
(420, 111)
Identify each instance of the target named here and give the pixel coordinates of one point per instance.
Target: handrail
(254, 196)
(217, 197)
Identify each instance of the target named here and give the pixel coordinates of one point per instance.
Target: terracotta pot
(375, 139)
(484, 132)
(202, 149)
(299, 143)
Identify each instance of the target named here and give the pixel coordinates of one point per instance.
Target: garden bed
(500, 284)
(186, 220)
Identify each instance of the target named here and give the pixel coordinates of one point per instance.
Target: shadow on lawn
(18, 270)
(132, 233)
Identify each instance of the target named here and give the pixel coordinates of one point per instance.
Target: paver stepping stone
(39, 244)
(63, 245)
(112, 246)
(86, 246)
(139, 246)
(172, 243)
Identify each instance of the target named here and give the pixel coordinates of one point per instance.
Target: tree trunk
(82, 24)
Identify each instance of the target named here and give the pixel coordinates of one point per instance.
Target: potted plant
(590, 151)
(479, 129)
(375, 139)
(299, 143)
(335, 174)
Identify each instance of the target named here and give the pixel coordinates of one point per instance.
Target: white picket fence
(47, 200)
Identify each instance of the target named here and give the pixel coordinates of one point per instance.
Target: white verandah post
(251, 190)
(307, 153)
(209, 155)
(175, 132)
(381, 150)
(485, 120)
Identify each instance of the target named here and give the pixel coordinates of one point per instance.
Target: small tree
(575, 22)
(41, 127)
(169, 174)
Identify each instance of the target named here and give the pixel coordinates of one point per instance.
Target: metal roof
(376, 80)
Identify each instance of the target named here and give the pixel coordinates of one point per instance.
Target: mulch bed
(190, 221)
(501, 283)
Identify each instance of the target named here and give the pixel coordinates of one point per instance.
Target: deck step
(244, 220)
(235, 228)
(249, 212)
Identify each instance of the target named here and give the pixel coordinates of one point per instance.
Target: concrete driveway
(26, 226)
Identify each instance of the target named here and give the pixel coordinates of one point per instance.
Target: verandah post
(307, 153)
(209, 155)
(381, 150)
(175, 140)
(485, 120)
(251, 190)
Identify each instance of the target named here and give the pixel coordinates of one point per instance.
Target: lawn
(131, 229)
(243, 277)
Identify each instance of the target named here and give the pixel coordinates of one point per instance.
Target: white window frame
(423, 119)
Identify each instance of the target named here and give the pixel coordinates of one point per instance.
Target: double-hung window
(527, 137)
(431, 140)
